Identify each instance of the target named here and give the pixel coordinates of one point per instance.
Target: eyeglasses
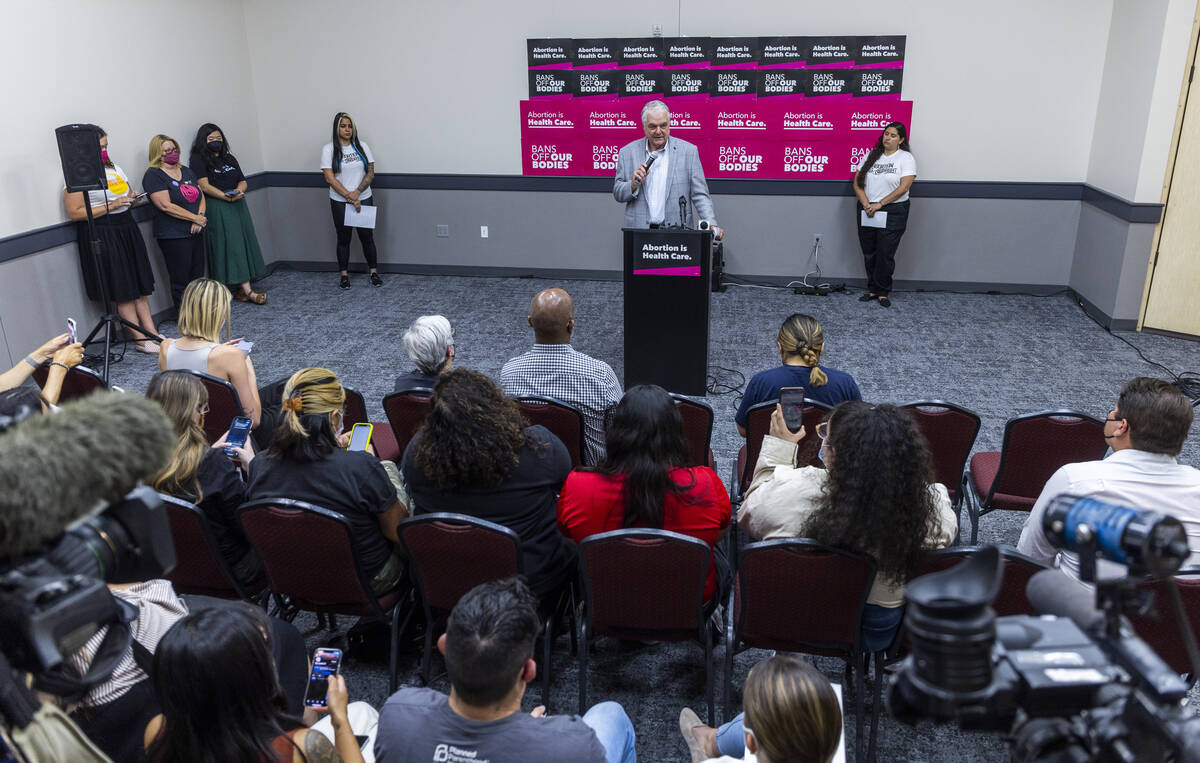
(202, 410)
(1114, 418)
(823, 430)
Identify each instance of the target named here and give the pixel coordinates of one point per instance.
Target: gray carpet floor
(999, 355)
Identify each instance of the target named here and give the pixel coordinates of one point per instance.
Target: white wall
(147, 67)
(1021, 74)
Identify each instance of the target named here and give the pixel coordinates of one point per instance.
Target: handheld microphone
(1133, 537)
(649, 162)
(682, 211)
(1051, 592)
(55, 469)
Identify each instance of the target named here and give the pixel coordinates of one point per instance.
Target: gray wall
(1109, 267)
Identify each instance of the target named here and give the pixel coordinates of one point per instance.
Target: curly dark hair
(473, 435)
(876, 499)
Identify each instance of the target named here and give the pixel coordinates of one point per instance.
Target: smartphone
(231, 193)
(238, 432)
(141, 196)
(71, 326)
(791, 399)
(245, 347)
(326, 662)
(360, 436)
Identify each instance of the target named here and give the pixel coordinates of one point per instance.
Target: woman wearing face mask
(881, 185)
(127, 265)
(180, 219)
(234, 257)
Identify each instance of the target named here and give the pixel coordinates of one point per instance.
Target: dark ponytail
(876, 152)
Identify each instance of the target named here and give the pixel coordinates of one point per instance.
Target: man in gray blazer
(651, 193)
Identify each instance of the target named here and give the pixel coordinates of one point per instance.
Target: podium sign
(667, 287)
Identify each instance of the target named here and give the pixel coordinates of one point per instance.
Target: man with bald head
(554, 369)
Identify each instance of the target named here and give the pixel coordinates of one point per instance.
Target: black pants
(366, 236)
(879, 246)
(185, 260)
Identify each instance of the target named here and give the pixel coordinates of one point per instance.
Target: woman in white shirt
(349, 168)
(127, 274)
(881, 185)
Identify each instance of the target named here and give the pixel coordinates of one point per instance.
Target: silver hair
(654, 106)
(426, 342)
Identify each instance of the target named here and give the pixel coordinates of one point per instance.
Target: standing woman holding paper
(349, 169)
(881, 185)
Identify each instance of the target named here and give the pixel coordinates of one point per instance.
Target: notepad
(360, 219)
(878, 221)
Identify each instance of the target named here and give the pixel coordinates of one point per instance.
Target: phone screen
(360, 436)
(238, 432)
(791, 399)
(71, 327)
(326, 662)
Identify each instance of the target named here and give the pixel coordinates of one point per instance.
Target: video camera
(1066, 692)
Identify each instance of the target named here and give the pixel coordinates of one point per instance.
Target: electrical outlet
(656, 30)
(443, 231)
(483, 231)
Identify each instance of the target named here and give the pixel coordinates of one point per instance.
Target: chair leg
(427, 653)
(574, 623)
(878, 701)
(583, 664)
(730, 648)
(859, 706)
(548, 644)
(708, 676)
(398, 631)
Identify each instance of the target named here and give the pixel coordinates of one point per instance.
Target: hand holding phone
(245, 347)
(238, 432)
(360, 437)
(71, 329)
(232, 193)
(791, 399)
(326, 663)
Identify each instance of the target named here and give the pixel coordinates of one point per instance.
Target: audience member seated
(801, 342)
(554, 369)
(474, 455)
(61, 355)
(643, 481)
(307, 461)
(1146, 431)
(429, 343)
(202, 474)
(203, 312)
(215, 682)
(875, 498)
(488, 646)
(792, 714)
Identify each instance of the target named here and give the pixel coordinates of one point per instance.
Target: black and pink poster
(778, 107)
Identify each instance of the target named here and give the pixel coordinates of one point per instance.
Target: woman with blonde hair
(203, 474)
(307, 461)
(203, 313)
(801, 342)
(179, 218)
(791, 714)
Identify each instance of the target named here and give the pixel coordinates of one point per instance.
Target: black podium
(667, 287)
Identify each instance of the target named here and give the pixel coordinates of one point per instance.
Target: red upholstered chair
(311, 558)
(406, 411)
(564, 421)
(382, 436)
(797, 595)
(199, 567)
(758, 423)
(697, 430)
(79, 381)
(951, 431)
(1160, 629)
(223, 405)
(1035, 446)
(1018, 569)
(645, 585)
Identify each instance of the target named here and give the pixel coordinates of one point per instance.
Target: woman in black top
(202, 474)
(476, 455)
(234, 257)
(180, 219)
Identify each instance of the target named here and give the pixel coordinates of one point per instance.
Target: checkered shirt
(558, 371)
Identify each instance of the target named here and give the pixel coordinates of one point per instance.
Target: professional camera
(1065, 692)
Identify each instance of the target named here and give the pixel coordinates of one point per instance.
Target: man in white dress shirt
(1146, 431)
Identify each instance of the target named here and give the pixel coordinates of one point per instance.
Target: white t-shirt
(118, 185)
(353, 169)
(884, 176)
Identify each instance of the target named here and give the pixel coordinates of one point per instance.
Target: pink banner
(805, 118)
(807, 160)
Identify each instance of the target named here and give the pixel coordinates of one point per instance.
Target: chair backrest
(1160, 629)
(564, 421)
(453, 553)
(697, 428)
(406, 411)
(796, 594)
(310, 556)
(79, 381)
(1037, 444)
(644, 583)
(356, 408)
(1018, 569)
(758, 423)
(199, 567)
(807, 452)
(223, 405)
(951, 431)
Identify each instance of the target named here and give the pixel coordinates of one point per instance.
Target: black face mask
(216, 145)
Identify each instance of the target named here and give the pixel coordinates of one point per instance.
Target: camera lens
(92, 549)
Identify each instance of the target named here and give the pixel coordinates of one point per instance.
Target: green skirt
(234, 256)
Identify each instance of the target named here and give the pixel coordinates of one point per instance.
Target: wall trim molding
(51, 236)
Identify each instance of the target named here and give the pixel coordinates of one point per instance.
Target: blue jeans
(614, 730)
(879, 626)
(731, 738)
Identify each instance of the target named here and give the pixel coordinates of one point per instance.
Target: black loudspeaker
(79, 152)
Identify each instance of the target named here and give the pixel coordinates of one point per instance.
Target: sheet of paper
(840, 755)
(878, 221)
(363, 219)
